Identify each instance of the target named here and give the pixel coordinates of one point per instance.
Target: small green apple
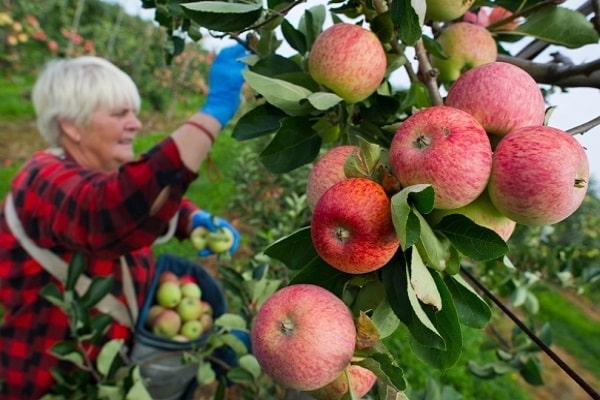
(199, 237)
(192, 329)
(189, 308)
(168, 294)
(191, 289)
(220, 240)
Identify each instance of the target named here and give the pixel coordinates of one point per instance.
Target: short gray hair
(73, 89)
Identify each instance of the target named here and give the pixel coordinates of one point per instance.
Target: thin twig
(559, 361)
(586, 126)
(428, 74)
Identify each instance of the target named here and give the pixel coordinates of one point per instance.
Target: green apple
(167, 323)
(189, 308)
(168, 294)
(180, 338)
(199, 237)
(192, 329)
(191, 289)
(446, 10)
(220, 240)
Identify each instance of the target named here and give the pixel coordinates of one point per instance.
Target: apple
(199, 237)
(446, 10)
(361, 381)
(191, 289)
(466, 45)
(501, 96)
(167, 323)
(206, 307)
(351, 227)
(221, 240)
(167, 276)
(207, 321)
(168, 294)
(180, 338)
(189, 308)
(329, 169)
(303, 336)
(539, 175)
(444, 147)
(349, 60)
(498, 14)
(192, 329)
(481, 211)
(186, 278)
(153, 312)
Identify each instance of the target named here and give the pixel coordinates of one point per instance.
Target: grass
(15, 102)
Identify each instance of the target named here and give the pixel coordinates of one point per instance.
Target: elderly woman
(87, 194)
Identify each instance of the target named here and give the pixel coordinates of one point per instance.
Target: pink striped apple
(361, 381)
(303, 336)
(349, 60)
(351, 227)
(444, 147)
(501, 96)
(539, 175)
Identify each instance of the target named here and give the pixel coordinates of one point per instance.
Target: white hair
(73, 89)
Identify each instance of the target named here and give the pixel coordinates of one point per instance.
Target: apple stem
(422, 142)
(342, 234)
(580, 183)
(286, 327)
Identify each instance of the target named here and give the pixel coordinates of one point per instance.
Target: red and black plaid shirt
(67, 208)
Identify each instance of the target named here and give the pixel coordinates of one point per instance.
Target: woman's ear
(70, 130)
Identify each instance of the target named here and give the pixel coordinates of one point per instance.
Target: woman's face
(107, 142)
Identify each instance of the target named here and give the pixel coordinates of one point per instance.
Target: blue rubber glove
(207, 220)
(225, 84)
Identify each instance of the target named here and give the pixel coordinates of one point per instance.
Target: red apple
(482, 212)
(167, 323)
(447, 10)
(153, 312)
(444, 147)
(352, 227)
(467, 46)
(167, 276)
(186, 278)
(329, 169)
(303, 336)
(539, 175)
(501, 96)
(349, 60)
(361, 381)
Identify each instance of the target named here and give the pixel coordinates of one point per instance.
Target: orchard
(413, 189)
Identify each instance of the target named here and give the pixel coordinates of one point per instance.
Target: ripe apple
(498, 14)
(192, 329)
(349, 60)
(444, 147)
(167, 276)
(220, 241)
(466, 45)
(207, 321)
(303, 336)
(482, 212)
(447, 10)
(189, 308)
(153, 312)
(501, 96)
(329, 169)
(191, 289)
(168, 294)
(199, 237)
(361, 381)
(167, 323)
(352, 228)
(539, 175)
(186, 278)
(180, 338)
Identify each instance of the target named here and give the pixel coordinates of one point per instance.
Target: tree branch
(428, 74)
(563, 75)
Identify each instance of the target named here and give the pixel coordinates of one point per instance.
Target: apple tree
(316, 91)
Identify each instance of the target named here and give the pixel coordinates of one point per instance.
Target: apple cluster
(218, 241)
(179, 312)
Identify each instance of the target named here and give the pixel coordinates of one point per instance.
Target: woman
(88, 195)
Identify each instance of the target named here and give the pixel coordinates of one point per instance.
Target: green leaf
(68, 352)
(223, 16)
(422, 282)
(282, 94)
(107, 355)
(385, 319)
(407, 20)
(249, 363)
(447, 323)
(472, 240)
(53, 294)
(405, 221)
(295, 38)
(318, 272)
(295, 250)
(312, 23)
(488, 371)
(429, 246)
(323, 100)
(261, 120)
(294, 145)
(386, 369)
(231, 321)
(273, 65)
(531, 371)
(472, 310)
(98, 289)
(206, 374)
(560, 26)
(240, 376)
(76, 267)
(98, 325)
(417, 97)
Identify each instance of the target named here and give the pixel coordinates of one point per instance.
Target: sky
(573, 108)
